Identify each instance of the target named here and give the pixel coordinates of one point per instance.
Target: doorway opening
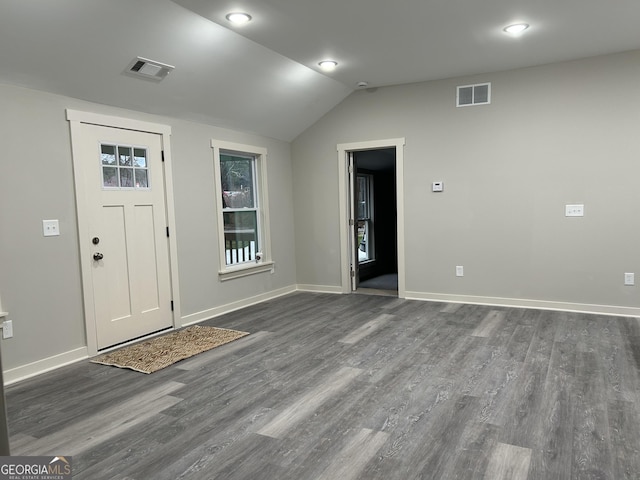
(372, 216)
(374, 190)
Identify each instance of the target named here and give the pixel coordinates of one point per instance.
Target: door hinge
(172, 305)
(162, 154)
(353, 273)
(167, 231)
(351, 222)
(350, 168)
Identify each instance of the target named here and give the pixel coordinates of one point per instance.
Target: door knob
(98, 256)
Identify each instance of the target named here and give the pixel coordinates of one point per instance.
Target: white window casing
(257, 258)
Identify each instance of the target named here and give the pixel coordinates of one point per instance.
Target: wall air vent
(479, 94)
(149, 69)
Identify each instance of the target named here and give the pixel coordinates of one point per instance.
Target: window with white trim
(243, 221)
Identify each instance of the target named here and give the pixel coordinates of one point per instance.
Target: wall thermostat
(437, 186)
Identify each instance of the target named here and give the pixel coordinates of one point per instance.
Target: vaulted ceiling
(264, 77)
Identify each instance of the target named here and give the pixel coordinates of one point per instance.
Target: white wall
(553, 135)
(40, 277)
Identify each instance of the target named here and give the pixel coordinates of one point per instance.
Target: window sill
(245, 270)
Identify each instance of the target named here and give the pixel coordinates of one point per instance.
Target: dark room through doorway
(376, 221)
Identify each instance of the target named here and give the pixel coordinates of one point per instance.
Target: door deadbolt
(95, 240)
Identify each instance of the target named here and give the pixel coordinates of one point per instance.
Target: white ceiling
(263, 77)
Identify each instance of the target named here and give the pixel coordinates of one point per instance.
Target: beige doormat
(160, 352)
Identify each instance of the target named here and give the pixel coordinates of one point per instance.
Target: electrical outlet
(7, 329)
(574, 210)
(459, 271)
(629, 279)
(50, 228)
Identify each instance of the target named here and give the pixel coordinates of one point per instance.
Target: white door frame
(343, 196)
(76, 118)
(354, 262)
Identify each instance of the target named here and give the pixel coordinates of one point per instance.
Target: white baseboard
(525, 303)
(233, 306)
(14, 375)
(319, 288)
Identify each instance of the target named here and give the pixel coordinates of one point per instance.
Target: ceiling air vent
(479, 94)
(149, 69)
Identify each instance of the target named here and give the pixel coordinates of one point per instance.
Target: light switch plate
(629, 279)
(437, 186)
(50, 228)
(574, 211)
(459, 271)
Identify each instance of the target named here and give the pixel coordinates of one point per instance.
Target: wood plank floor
(357, 387)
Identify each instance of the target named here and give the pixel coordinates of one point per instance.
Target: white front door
(119, 174)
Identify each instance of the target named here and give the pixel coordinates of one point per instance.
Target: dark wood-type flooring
(342, 387)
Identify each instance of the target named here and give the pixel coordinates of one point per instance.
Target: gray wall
(557, 134)
(553, 135)
(40, 277)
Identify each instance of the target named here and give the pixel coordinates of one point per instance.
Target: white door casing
(125, 252)
(353, 223)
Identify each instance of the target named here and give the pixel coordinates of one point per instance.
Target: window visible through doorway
(365, 218)
(243, 214)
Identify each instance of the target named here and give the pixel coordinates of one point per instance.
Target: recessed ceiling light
(328, 65)
(516, 28)
(238, 18)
